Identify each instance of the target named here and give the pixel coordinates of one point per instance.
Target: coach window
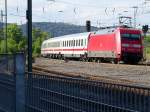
(67, 43)
(85, 42)
(73, 42)
(64, 43)
(70, 42)
(81, 42)
(76, 42)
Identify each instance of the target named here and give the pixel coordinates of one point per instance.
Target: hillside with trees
(58, 29)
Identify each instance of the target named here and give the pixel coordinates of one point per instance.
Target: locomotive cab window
(131, 36)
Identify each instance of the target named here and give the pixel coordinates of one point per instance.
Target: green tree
(12, 45)
(2, 46)
(1, 34)
(38, 37)
(15, 39)
(15, 32)
(17, 42)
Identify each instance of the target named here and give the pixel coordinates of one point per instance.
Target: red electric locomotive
(119, 44)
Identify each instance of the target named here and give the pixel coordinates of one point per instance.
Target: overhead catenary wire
(91, 5)
(107, 10)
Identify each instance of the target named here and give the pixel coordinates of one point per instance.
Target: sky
(100, 12)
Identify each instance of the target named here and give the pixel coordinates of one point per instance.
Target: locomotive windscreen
(131, 36)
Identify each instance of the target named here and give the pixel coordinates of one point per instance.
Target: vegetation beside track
(147, 47)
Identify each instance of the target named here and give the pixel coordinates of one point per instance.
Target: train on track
(114, 44)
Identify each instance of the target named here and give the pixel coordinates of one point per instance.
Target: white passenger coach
(66, 46)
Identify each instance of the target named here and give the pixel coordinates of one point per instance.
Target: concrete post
(20, 82)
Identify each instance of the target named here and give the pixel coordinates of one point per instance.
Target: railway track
(142, 63)
(117, 73)
(106, 79)
(90, 78)
(76, 93)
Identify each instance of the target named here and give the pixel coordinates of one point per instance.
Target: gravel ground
(135, 74)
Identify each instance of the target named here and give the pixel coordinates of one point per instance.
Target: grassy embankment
(147, 46)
